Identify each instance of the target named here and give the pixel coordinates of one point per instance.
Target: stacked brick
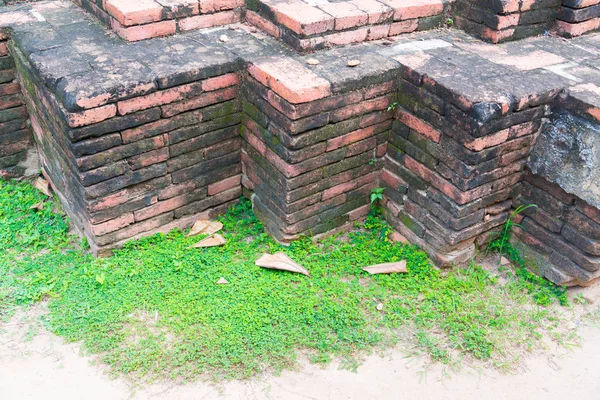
(501, 20)
(15, 135)
(562, 227)
(310, 151)
(452, 165)
(307, 25)
(145, 19)
(577, 17)
(143, 164)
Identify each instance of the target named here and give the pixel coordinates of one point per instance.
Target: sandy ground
(44, 367)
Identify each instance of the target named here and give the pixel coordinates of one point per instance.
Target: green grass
(154, 309)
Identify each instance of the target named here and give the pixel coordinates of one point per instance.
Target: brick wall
(577, 17)
(311, 159)
(145, 164)
(15, 134)
(563, 228)
(451, 166)
(502, 20)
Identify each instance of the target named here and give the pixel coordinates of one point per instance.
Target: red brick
(588, 210)
(348, 138)
(418, 125)
(161, 207)
(225, 184)
(347, 186)
(149, 158)
(394, 181)
(112, 225)
(258, 144)
(176, 190)
(211, 6)
(220, 82)
(377, 12)
(263, 24)
(359, 212)
(302, 18)
(210, 20)
(93, 116)
(136, 12)
(159, 98)
(9, 88)
(289, 79)
(348, 37)
(407, 26)
(410, 9)
(109, 201)
(362, 146)
(346, 15)
(160, 126)
(488, 141)
(203, 100)
(379, 90)
(578, 28)
(143, 32)
(178, 8)
(378, 32)
(377, 104)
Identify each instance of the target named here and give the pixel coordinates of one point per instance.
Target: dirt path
(45, 367)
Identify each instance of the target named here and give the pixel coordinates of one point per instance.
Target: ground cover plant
(154, 310)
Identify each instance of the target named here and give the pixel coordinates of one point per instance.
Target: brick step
(577, 17)
(499, 21)
(136, 20)
(317, 24)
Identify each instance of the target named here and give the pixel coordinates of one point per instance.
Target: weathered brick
(225, 184)
(203, 100)
(146, 31)
(112, 225)
(290, 79)
(160, 98)
(210, 20)
(114, 124)
(584, 243)
(120, 152)
(149, 158)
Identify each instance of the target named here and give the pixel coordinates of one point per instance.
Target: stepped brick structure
(141, 136)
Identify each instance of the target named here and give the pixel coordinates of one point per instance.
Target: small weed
(579, 299)
(393, 106)
(376, 196)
